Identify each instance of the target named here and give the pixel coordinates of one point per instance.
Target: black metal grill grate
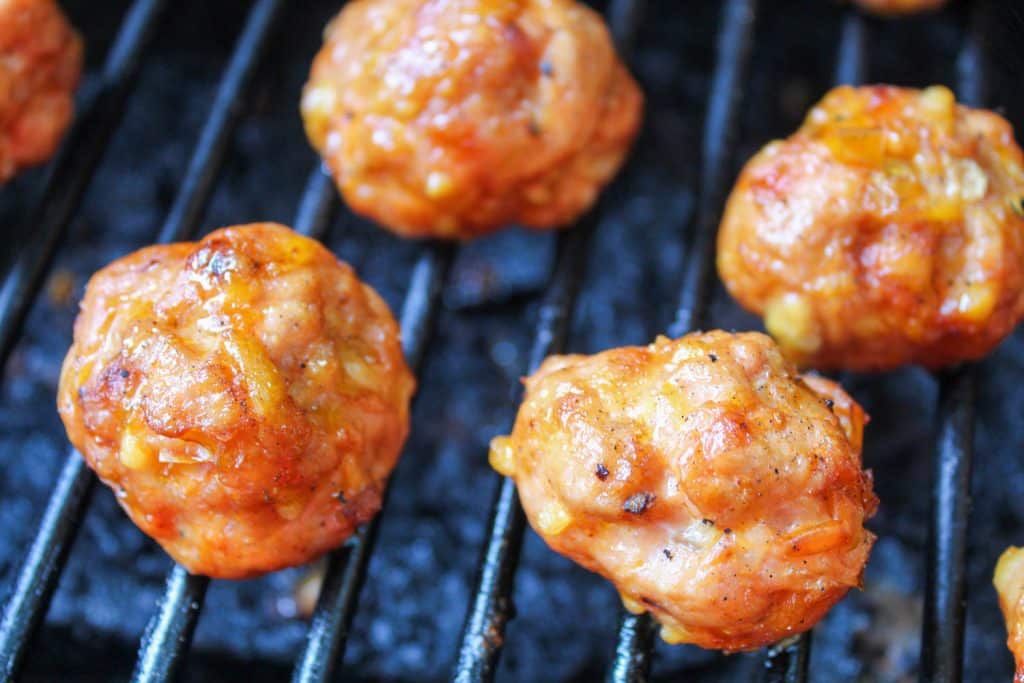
(168, 635)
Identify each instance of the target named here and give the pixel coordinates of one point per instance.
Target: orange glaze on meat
(888, 230)
(40, 63)
(452, 118)
(244, 396)
(1009, 583)
(710, 483)
(899, 7)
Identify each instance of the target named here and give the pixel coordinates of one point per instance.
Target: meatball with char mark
(888, 230)
(245, 397)
(712, 485)
(454, 118)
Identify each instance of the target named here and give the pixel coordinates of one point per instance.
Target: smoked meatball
(899, 7)
(715, 487)
(452, 118)
(40, 63)
(1009, 582)
(888, 230)
(244, 396)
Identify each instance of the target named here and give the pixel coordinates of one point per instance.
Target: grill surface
(649, 240)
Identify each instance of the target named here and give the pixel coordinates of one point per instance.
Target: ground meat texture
(733, 504)
(1009, 583)
(899, 7)
(888, 230)
(245, 397)
(40, 63)
(452, 118)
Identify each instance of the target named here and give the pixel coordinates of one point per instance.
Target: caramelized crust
(244, 396)
(888, 230)
(40, 63)
(1009, 583)
(452, 118)
(711, 484)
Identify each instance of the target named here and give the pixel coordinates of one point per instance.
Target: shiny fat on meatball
(244, 396)
(899, 7)
(716, 488)
(1009, 583)
(452, 118)
(888, 230)
(40, 63)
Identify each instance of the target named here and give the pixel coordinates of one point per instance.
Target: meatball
(888, 230)
(712, 485)
(899, 7)
(1009, 582)
(452, 118)
(244, 396)
(40, 63)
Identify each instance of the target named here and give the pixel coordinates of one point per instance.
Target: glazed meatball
(888, 230)
(40, 63)
(244, 396)
(1009, 582)
(712, 485)
(452, 118)
(899, 7)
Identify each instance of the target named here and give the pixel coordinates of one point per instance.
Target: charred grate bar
(38, 577)
(346, 567)
(735, 41)
(942, 635)
(67, 181)
(73, 168)
(789, 663)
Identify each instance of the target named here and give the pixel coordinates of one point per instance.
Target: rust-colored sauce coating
(896, 8)
(40, 63)
(1009, 583)
(453, 118)
(244, 396)
(716, 488)
(888, 230)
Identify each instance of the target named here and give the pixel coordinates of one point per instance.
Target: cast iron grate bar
(483, 633)
(492, 607)
(789, 663)
(73, 169)
(636, 632)
(65, 185)
(169, 632)
(347, 566)
(38, 577)
(942, 635)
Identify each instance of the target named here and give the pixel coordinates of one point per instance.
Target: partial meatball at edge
(454, 119)
(40, 66)
(244, 396)
(1009, 583)
(716, 488)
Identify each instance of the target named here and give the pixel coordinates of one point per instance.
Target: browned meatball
(452, 118)
(899, 7)
(40, 63)
(710, 483)
(244, 396)
(888, 230)
(1009, 582)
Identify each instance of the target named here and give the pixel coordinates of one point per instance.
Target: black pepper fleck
(667, 553)
(713, 357)
(638, 503)
(546, 68)
(125, 374)
(728, 530)
(601, 471)
(340, 496)
(707, 522)
(830, 403)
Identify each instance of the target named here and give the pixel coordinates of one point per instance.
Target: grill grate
(168, 635)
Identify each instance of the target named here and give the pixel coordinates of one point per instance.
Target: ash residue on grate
(420, 579)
